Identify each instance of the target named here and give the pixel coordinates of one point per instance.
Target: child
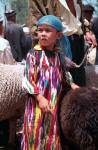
(43, 82)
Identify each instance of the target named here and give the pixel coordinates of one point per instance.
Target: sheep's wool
(12, 97)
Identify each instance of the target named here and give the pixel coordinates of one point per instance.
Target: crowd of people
(17, 40)
(59, 30)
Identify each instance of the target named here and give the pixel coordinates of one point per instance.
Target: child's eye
(40, 30)
(48, 30)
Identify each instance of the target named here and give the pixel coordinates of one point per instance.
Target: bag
(91, 56)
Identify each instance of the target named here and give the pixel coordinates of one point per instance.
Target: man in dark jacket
(15, 35)
(28, 40)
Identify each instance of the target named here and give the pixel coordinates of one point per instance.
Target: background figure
(28, 40)
(87, 14)
(72, 21)
(5, 49)
(72, 18)
(95, 31)
(70, 14)
(15, 35)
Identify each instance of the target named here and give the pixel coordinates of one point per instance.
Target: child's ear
(59, 35)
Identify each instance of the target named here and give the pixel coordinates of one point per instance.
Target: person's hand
(74, 86)
(91, 38)
(73, 64)
(43, 103)
(69, 62)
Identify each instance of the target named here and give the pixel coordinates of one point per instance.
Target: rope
(87, 49)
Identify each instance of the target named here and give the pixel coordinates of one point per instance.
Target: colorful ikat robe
(43, 75)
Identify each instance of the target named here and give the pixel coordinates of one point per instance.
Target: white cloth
(71, 24)
(91, 56)
(26, 30)
(5, 52)
(4, 44)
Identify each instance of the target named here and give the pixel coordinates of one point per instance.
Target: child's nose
(44, 32)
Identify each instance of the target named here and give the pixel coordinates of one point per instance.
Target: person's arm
(74, 86)
(91, 38)
(68, 80)
(8, 57)
(43, 103)
(30, 80)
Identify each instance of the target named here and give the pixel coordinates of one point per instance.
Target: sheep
(78, 117)
(11, 93)
(12, 97)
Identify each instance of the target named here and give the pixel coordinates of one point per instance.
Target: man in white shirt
(69, 11)
(5, 49)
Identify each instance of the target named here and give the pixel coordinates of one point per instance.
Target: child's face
(47, 36)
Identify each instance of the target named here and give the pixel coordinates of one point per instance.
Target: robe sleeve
(29, 82)
(66, 76)
(67, 79)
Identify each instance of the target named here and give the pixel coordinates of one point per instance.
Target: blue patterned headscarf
(57, 24)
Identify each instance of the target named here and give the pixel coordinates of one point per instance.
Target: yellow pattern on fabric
(35, 74)
(38, 115)
(37, 47)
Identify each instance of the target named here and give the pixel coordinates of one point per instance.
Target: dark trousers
(77, 48)
(96, 62)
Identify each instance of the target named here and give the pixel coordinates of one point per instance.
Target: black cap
(10, 13)
(88, 8)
